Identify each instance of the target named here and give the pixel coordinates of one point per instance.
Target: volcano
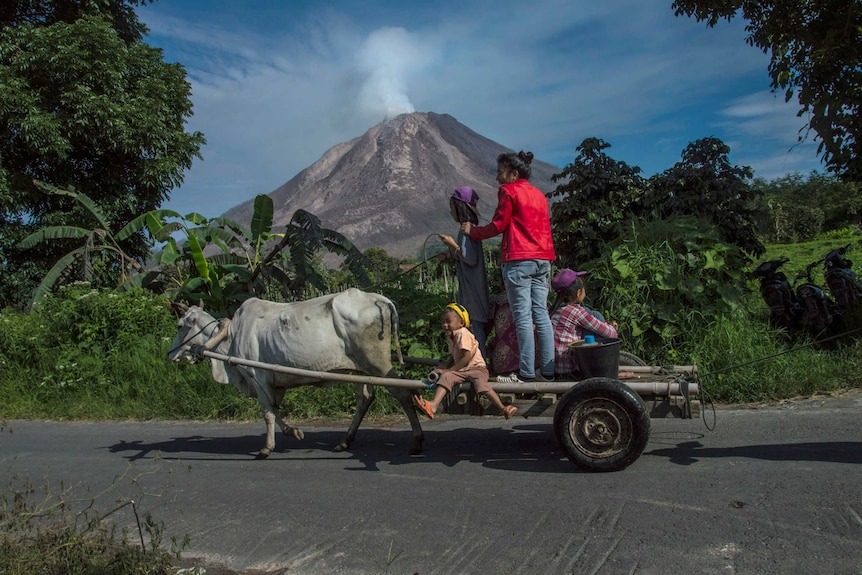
(389, 188)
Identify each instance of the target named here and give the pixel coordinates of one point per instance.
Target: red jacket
(523, 219)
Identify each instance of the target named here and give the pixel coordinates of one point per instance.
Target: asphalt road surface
(774, 489)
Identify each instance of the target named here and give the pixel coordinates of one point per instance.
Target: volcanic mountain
(390, 187)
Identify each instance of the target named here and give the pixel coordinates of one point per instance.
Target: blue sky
(277, 83)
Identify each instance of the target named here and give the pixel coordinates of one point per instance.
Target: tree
(815, 48)
(83, 104)
(801, 208)
(707, 186)
(598, 195)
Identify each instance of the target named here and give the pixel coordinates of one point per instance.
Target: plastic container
(598, 359)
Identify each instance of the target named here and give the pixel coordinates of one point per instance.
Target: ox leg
(271, 416)
(269, 420)
(364, 398)
(405, 398)
(294, 432)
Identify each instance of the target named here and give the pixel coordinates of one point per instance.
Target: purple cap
(467, 195)
(564, 279)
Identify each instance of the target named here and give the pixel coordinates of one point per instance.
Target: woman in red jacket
(526, 253)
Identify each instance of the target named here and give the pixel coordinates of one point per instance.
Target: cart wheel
(627, 358)
(601, 424)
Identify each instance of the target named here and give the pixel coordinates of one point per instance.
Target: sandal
(509, 411)
(424, 406)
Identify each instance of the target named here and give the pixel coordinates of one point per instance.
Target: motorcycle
(846, 290)
(785, 312)
(819, 314)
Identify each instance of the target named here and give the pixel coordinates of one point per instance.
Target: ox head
(194, 328)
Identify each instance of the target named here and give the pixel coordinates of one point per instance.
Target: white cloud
(272, 93)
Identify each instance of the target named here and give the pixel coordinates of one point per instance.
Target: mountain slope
(390, 187)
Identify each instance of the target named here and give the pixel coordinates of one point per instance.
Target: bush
(95, 353)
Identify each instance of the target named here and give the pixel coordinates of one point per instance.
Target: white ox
(347, 331)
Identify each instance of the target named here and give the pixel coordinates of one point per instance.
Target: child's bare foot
(509, 411)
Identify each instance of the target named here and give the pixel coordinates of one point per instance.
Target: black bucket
(598, 360)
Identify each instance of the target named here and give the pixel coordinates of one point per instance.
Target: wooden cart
(601, 423)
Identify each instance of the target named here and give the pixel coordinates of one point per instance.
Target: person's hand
(615, 324)
(448, 240)
(466, 227)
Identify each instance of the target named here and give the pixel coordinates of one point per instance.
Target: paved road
(771, 490)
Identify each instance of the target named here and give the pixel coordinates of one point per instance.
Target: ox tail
(393, 317)
(393, 323)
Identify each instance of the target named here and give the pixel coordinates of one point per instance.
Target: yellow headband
(461, 311)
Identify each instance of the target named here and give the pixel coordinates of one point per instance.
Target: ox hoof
(341, 447)
(264, 453)
(416, 450)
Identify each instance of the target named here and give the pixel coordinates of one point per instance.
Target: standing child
(470, 258)
(465, 364)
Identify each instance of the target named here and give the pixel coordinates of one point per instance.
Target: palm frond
(152, 220)
(53, 233)
(47, 284)
(233, 225)
(261, 220)
(82, 199)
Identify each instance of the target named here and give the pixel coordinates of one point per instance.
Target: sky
(277, 83)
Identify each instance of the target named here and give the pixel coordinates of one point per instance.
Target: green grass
(804, 253)
(741, 360)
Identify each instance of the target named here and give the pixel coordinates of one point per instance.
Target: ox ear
(179, 308)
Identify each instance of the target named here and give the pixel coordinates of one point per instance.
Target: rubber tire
(627, 358)
(602, 403)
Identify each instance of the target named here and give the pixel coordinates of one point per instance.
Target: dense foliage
(597, 196)
(815, 48)
(801, 208)
(83, 103)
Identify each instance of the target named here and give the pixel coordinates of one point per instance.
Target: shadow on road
(522, 448)
(689, 452)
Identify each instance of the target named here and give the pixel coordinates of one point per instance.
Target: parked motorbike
(819, 313)
(784, 310)
(804, 305)
(845, 288)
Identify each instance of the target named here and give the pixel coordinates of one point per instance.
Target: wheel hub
(600, 428)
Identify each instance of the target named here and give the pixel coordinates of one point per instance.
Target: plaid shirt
(569, 322)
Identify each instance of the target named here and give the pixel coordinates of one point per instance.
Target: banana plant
(93, 240)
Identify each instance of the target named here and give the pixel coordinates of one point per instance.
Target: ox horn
(179, 308)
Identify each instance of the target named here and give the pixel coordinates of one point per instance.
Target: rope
(774, 355)
(191, 337)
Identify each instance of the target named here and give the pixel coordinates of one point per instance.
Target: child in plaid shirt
(570, 319)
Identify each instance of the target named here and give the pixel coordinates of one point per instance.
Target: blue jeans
(526, 284)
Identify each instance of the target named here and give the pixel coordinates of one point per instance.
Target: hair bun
(526, 157)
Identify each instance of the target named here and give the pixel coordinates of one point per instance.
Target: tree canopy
(815, 48)
(84, 103)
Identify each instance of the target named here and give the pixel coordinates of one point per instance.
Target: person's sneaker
(540, 377)
(513, 377)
